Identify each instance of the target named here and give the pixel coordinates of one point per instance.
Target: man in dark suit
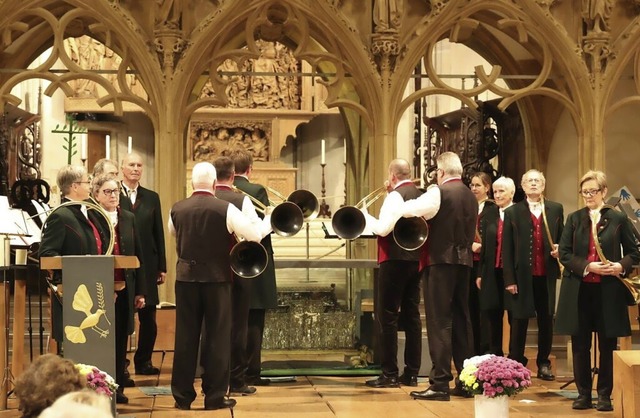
(68, 231)
(531, 268)
(397, 286)
(241, 289)
(453, 210)
(203, 288)
(145, 205)
(263, 294)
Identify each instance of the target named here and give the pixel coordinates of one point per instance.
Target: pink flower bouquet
(493, 376)
(97, 380)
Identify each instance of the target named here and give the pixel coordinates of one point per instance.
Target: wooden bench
(626, 383)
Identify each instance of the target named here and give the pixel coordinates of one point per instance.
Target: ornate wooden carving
(209, 140)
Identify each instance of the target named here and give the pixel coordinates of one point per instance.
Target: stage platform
(331, 396)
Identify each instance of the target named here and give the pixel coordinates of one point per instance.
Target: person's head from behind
(203, 176)
(45, 380)
(80, 404)
(449, 166)
(224, 170)
(73, 182)
(242, 160)
(399, 170)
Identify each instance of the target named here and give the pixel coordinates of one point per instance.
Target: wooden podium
(88, 310)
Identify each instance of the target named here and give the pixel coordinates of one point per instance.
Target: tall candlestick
(344, 147)
(129, 144)
(322, 156)
(107, 144)
(83, 147)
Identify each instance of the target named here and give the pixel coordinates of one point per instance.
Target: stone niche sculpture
(210, 139)
(270, 81)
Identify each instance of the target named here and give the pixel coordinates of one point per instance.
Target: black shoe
(383, 382)
(459, 391)
(147, 369)
(121, 398)
(431, 395)
(243, 390)
(582, 402)
(129, 383)
(604, 403)
(223, 403)
(183, 407)
(408, 379)
(544, 373)
(258, 381)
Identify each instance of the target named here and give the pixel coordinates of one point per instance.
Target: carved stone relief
(93, 55)
(209, 140)
(275, 84)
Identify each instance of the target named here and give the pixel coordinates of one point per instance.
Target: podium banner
(88, 314)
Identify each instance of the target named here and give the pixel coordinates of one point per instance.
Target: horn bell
(248, 259)
(307, 202)
(348, 222)
(411, 233)
(287, 219)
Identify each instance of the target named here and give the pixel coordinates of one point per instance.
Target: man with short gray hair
(203, 226)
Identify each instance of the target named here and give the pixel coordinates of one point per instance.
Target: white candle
(107, 145)
(322, 156)
(129, 144)
(83, 147)
(344, 146)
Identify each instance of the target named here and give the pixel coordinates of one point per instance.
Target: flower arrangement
(494, 376)
(97, 380)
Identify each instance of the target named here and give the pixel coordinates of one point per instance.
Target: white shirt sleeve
(170, 226)
(241, 225)
(389, 215)
(262, 225)
(426, 205)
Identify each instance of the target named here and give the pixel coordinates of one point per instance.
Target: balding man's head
(131, 169)
(400, 168)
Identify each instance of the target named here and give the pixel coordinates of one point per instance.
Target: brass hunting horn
(632, 284)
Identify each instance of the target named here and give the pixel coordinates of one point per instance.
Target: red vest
(592, 256)
(538, 247)
(499, 244)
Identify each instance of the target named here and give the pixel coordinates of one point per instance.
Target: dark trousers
(240, 302)
(545, 327)
(195, 303)
(495, 317)
(591, 320)
(122, 335)
(255, 332)
(446, 295)
(399, 291)
(479, 320)
(147, 333)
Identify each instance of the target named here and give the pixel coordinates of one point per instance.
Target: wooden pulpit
(88, 309)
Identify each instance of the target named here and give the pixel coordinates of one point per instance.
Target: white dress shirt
(535, 208)
(389, 213)
(237, 223)
(426, 205)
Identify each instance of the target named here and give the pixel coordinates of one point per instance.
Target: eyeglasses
(590, 193)
(110, 192)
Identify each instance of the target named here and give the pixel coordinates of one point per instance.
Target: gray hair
(533, 170)
(450, 163)
(98, 168)
(507, 183)
(68, 175)
(100, 180)
(203, 175)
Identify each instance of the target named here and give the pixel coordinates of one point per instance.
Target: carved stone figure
(596, 14)
(262, 85)
(169, 13)
(258, 146)
(387, 15)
